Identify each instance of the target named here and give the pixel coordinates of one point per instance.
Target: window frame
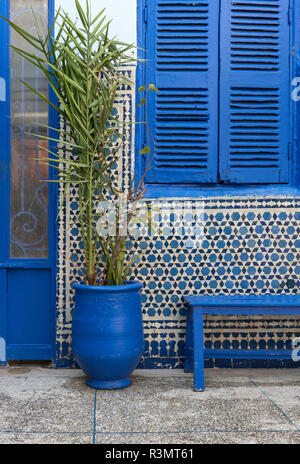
(220, 190)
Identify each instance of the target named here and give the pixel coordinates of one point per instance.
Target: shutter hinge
(290, 15)
(145, 14)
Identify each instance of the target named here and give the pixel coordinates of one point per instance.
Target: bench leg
(198, 350)
(188, 365)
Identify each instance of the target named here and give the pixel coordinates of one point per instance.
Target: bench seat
(200, 305)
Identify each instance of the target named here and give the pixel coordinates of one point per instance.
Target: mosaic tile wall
(234, 246)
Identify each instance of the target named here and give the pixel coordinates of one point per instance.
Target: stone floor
(44, 405)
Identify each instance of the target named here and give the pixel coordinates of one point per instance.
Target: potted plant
(83, 67)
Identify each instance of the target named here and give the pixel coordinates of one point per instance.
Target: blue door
(28, 203)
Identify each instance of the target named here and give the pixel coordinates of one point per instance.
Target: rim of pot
(131, 286)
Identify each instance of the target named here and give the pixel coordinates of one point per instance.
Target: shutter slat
(254, 86)
(182, 61)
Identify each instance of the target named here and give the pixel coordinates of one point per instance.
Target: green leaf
(23, 33)
(153, 88)
(142, 102)
(145, 151)
(42, 97)
(81, 14)
(97, 17)
(141, 89)
(67, 78)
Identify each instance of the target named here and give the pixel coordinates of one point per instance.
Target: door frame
(7, 263)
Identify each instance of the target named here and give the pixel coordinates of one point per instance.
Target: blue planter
(108, 338)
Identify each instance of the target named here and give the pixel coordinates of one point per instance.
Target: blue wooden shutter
(254, 91)
(182, 61)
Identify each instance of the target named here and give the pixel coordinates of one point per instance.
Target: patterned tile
(221, 245)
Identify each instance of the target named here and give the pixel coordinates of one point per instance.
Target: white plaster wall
(121, 12)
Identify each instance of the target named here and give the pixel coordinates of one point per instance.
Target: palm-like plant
(83, 67)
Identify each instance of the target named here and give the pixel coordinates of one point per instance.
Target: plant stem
(91, 274)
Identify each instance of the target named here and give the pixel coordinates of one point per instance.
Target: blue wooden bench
(279, 305)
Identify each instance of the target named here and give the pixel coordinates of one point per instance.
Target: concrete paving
(46, 405)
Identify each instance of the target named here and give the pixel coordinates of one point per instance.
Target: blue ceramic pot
(108, 338)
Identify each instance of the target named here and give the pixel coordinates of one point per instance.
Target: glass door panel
(29, 193)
